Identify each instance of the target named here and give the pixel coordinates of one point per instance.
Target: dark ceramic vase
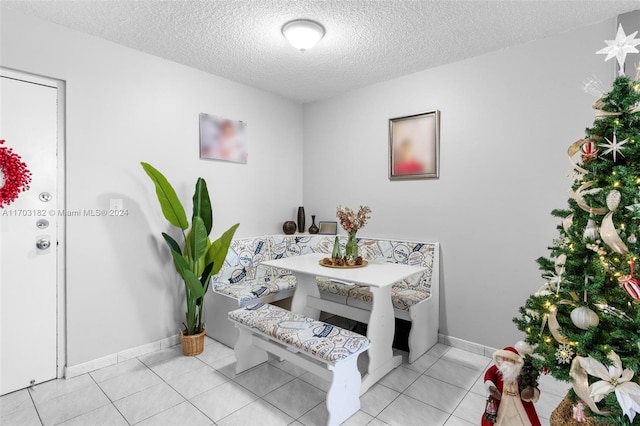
(289, 227)
(313, 229)
(301, 219)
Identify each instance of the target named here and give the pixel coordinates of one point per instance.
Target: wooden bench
(325, 350)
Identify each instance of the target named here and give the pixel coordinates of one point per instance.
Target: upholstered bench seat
(249, 290)
(402, 295)
(321, 340)
(327, 351)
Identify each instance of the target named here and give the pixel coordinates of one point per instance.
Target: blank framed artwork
(328, 228)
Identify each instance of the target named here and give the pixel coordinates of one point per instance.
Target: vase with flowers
(352, 222)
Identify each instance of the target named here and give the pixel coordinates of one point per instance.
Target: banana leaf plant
(199, 258)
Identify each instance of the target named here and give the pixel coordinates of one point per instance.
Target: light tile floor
(443, 387)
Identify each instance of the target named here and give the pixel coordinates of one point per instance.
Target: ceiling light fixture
(303, 34)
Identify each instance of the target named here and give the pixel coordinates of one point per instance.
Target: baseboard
(465, 345)
(96, 364)
(127, 354)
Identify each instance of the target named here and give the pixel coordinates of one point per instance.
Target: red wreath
(15, 177)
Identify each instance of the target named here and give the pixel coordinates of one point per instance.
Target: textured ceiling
(365, 42)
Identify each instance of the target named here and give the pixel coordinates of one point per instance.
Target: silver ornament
(583, 318)
(632, 239)
(613, 199)
(523, 348)
(591, 231)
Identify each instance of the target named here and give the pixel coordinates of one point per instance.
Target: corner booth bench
(244, 281)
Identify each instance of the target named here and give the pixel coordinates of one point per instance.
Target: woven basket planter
(563, 416)
(192, 345)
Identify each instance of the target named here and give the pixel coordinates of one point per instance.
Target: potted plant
(198, 259)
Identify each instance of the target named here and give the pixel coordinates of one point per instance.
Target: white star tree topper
(620, 47)
(615, 146)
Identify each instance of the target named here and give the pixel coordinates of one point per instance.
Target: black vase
(289, 227)
(300, 219)
(313, 229)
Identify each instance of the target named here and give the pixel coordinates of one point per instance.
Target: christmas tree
(584, 322)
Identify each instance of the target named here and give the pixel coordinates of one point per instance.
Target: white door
(28, 239)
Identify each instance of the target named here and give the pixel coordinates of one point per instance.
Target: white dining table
(379, 277)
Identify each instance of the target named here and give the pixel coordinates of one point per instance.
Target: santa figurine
(508, 404)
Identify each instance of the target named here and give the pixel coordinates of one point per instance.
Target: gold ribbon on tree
(551, 318)
(575, 148)
(583, 205)
(580, 384)
(600, 113)
(610, 236)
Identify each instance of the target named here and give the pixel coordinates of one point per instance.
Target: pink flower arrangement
(351, 221)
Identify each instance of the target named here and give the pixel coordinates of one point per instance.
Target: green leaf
(205, 274)
(173, 245)
(219, 248)
(191, 281)
(204, 279)
(171, 206)
(202, 204)
(196, 240)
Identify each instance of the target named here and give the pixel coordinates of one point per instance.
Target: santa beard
(509, 371)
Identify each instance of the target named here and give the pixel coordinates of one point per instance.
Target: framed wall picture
(223, 139)
(414, 146)
(328, 228)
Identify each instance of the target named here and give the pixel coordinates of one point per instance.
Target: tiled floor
(443, 387)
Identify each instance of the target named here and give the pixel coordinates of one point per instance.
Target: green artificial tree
(584, 322)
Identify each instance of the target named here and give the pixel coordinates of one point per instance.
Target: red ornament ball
(589, 148)
(15, 177)
(590, 151)
(631, 285)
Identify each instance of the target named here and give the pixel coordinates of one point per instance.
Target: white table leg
(380, 333)
(305, 286)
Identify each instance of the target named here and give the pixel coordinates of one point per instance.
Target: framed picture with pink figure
(223, 139)
(414, 146)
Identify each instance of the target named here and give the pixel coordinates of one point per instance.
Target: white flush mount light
(303, 34)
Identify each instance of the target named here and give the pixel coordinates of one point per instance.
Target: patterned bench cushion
(408, 253)
(252, 289)
(244, 278)
(243, 261)
(402, 295)
(330, 343)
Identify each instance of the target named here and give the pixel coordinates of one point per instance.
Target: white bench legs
(343, 397)
(424, 328)
(247, 354)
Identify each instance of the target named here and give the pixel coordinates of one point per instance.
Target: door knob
(43, 244)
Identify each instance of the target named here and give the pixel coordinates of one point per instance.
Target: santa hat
(508, 353)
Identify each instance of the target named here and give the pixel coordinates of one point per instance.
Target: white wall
(507, 120)
(124, 107)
